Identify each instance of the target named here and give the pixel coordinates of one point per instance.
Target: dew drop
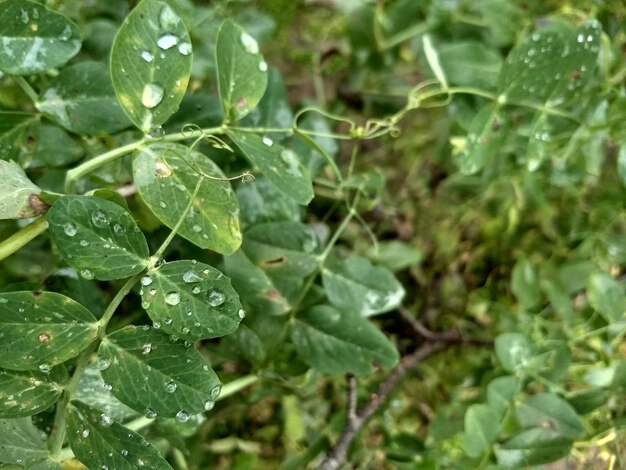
(191, 276)
(241, 313)
(263, 66)
(196, 290)
(85, 433)
(155, 132)
(86, 274)
(99, 219)
(124, 452)
(168, 321)
(152, 95)
(146, 281)
(196, 228)
(215, 297)
(168, 19)
(105, 420)
(146, 348)
(162, 204)
(249, 43)
(140, 462)
(119, 229)
(145, 305)
(267, 141)
(150, 413)
(69, 229)
(184, 330)
(45, 368)
(167, 41)
(84, 243)
(209, 405)
(170, 387)
(182, 416)
(172, 298)
(147, 56)
(107, 387)
(184, 48)
(102, 363)
(580, 38)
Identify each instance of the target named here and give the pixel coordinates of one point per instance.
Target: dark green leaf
(18, 133)
(262, 202)
(151, 63)
(81, 99)
(606, 295)
(484, 139)
(97, 237)
(191, 300)
(501, 391)
(533, 447)
(482, 426)
(56, 148)
(166, 176)
(99, 442)
(42, 329)
(34, 39)
(308, 153)
(28, 393)
(513, 350)
(354, 284)
(281, 166)
(585, 401)
(241, 71)
(337, 342)
(21, 442)
(19, 197)
(550, 411)
(525, 284)
(153, 374)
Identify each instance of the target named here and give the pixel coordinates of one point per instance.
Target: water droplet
(168, 19)
(191, 276)
(99, 219)
(45, 368)
(182, 416)
(263, 66)
(105, 420)
(119, 229)
(140, 463)
(102, 363)
(209, 405)
(25, 18)
(87, 274)
(145, 305)
(162, 204)
(580, 37)
(152, 95)
(146, 348)
(167, 41)
(249, 43)
(170, 387)
(215, 297)
(147, 56)
(196, 290)
(241, 313)
(108, 387)
(124, 452)
(84, 243)
(155, 132)
(172, 298)
(184, 330)
(196, 228)
(69, 229)
(150, 413)
(146, 281)
(184, 48)
(85, 433)
(168, 321)
(267, 141)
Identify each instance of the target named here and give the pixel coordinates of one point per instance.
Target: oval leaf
(606, 295)
(97, 237)
(42, 329)
(99, 442)
(19, 197)
(18, 134)
(21, 442)
(513, 350)
(354, 284)
(151, 63)
(280, 165)
(166, 181)
(533, 447)
(29, 393)
(482, 426)
(337, 342)
(191, 300)
(157, 376)
(241, 71)
(552, 412)
(34, 39)
(81, 99)
(501, 391)
(485, 137)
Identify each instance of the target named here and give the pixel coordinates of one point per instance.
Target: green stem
(22, 237)
(172, 234)
(57, 439)
(117, 300)
(179, 458)
(32, 94)
(235, 386)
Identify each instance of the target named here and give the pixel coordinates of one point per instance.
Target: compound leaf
(28, 393)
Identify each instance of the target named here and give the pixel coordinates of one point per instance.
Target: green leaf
(606, 295)
(21, 442)
(397, 255)
(262, 202)
(166, 176)
(99, 442)
(56, 148)
(470, 63)
(538, 149)
(151, 63)
(93, 391)
(97, 237)
(157, 376)
(285, 249)
(191, 300)
(354, 284)
(81, 99)
(335, 342)
(310, 155)
(18, 133)
(482, 427)
(273, 109)
(241, 71)
(34, 39)
(281, 166)
(19, 197)
(550, 411)
(501, 391)
(534, 446)
(525, 284)
(485, 136)
(42, 329)
(513, 350)
(28, 393)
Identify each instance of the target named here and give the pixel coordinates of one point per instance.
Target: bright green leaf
(550, 411)
(354, 284)
(19, 196)
(21, 442)
(191, 300)
(525, 284)
(241, 71)
(81, 99)
(606, 295)
(485, 136)
(501, 391)
(482, 426)
(97, 237)
(534, 446)
(42, 329)
(281, 166)
(513, 350)
(18, 133)
(166, 176)
(339, 342)
(155, 375)
(34, 38)
(28, 393)
(99, 442)
(151, 63)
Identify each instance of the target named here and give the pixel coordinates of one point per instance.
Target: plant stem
(22, 237)
(117, 300)
(32, 94)
(237, 385)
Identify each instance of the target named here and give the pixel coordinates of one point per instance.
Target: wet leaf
(28, 393)
(18, 134)
(19, 196)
